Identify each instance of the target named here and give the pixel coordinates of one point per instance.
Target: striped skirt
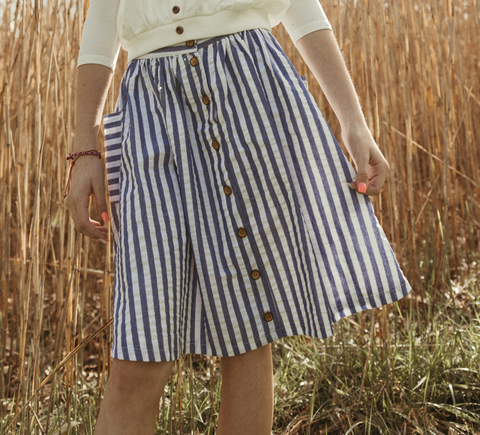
(232, 220)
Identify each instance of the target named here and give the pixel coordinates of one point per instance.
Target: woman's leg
(132, 396)
(247, 394)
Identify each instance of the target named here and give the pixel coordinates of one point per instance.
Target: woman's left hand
(371, 165)
(321, 53)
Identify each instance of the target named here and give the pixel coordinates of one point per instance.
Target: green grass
(422, 377)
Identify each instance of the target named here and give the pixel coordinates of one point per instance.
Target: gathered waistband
(183, 48)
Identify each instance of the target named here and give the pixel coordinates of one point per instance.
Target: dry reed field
(409, 368)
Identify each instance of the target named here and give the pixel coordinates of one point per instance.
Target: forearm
(322, 55)
(93, 81)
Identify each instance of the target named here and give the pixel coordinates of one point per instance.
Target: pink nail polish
(362, 188)
(105, 216)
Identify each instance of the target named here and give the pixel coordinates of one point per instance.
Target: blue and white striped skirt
(232, 220)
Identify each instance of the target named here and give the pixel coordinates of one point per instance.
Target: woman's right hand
(87, 178)
(88, 173)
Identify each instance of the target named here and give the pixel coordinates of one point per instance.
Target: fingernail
(103, 241)
(351, 186)
(362, 188)
(105, 216)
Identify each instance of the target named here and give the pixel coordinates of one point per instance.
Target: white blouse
(142, 26)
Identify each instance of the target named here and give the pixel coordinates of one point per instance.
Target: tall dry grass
(415, 65)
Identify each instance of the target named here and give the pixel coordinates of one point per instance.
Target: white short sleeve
(100, 43)
(304, 17)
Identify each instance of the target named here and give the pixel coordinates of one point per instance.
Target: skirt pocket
(113, 127)
(113, 153)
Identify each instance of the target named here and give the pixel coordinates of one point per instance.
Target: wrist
(85, 146)
(354, 126)
(85, 138)
(75, 155)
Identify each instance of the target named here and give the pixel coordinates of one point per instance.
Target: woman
(236, 218)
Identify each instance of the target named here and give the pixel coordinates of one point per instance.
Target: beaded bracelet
(74, 157)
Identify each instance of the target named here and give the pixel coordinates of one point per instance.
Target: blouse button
(194, 61)
(206, 100)
(242, 232)
(255, 274)
(268, 316)
(227, 190)
(176, 10)
(190, 43)
(216, 145)
(179, 30)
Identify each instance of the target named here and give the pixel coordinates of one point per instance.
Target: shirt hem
(222, 23)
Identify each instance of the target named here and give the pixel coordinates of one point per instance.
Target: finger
(94, 222)
(82, 221)
(72, 208)
(362, 180)
(362, 168)
(98, 225)
(375, 185)
(100, 201)
(377, 178)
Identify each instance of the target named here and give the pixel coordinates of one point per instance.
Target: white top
(142, 26)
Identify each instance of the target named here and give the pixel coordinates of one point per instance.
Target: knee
(258, 360)
(127, 377)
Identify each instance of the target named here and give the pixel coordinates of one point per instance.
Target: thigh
(152, 376)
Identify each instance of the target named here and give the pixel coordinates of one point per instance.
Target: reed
(408, 367)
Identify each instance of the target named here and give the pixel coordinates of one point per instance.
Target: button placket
(241, 232)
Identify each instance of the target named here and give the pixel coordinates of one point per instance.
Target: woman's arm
(97, 57)
(321, 53)
(93, 82)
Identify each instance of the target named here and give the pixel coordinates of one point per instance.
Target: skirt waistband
(186, 47)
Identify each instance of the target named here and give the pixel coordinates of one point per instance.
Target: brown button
(179, 30)
(176, 10)
(216, 145)
(242, 232)
(268, 316)
(255, 274)
(206, 100)
(190, 43)
(194, 61)
(227, 190)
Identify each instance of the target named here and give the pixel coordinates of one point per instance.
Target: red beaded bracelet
(74, 157)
